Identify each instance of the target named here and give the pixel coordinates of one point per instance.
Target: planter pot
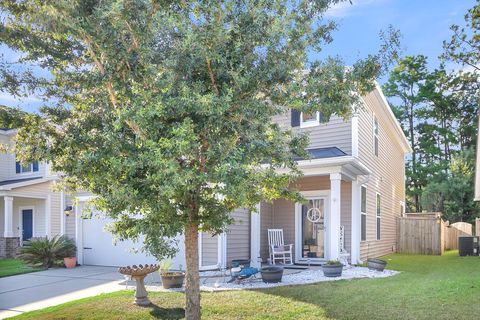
(70, 262)
(240, 262)
(376, 264)
(272, 274)
(332, 270)
(172, 279)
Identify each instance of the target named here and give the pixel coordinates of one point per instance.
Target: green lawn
(10, 267)
(429, 287)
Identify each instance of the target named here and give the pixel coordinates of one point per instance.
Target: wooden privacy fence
(428, 234)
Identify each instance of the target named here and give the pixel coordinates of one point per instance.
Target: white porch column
(48, 213)
(356, 223)
(255, 238)
(334, 219)
(62, 213)
(8, 219)
(79, 233)
(222, 250)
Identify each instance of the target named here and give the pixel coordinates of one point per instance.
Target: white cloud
(346, 8)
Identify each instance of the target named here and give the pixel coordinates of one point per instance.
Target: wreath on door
(314, 215)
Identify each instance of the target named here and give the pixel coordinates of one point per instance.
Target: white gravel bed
(303, 277)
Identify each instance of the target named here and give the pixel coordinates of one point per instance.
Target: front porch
(22, 218)
(327, 227)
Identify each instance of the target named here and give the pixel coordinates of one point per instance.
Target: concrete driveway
(43, 289)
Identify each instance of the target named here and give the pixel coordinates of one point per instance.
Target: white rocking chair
(277, 248)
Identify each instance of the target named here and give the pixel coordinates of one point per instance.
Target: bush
(46, 252)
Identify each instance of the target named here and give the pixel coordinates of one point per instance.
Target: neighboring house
(354, 183)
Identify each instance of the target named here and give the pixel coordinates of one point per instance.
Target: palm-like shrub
(46, 252)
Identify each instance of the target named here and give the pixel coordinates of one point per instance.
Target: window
(30, 167)
(309, 119)
(378, 215)
(363, 213)
(375, 135)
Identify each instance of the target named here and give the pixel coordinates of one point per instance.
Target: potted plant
(376, 264)
(271, 274)
(332, 268)
(170, 278)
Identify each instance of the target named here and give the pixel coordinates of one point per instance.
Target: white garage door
(99, 250)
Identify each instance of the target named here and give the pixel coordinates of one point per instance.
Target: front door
(313, 229)
(27, 224)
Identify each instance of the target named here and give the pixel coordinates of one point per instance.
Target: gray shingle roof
(5, 182)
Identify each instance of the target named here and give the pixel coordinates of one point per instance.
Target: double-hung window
(378, 215)
(27, 168)
(363, 213)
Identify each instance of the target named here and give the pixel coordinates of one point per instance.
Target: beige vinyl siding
(7, 161)
(238, 236)
(209, 250)
(266, 222)
(387, 178)
(70, 220)
(335, 133)
(284, 218)
(56, 212)
(43, 189)
(346, 213)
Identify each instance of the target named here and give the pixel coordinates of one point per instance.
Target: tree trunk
(192, 285)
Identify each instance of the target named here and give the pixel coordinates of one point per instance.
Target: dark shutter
(17, 167)
(321, 117)
(295, 118)
(35, 165)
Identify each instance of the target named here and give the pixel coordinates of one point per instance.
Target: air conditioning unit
(468, 246)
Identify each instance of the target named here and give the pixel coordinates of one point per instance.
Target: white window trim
(363, 213)
(378, 216)
(402, 205)
(310, 123)
(375, 135)
(26, 172)
(20, 214)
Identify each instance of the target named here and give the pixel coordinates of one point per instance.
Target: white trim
(8, 216)
(62, 213)
(356, 228)
(48, 213)
(79, 234)
(393, 121)
(255, 232)
(222, 250)
(310, 123)
(355, 134)
(335, 216)
(20, 222)
(23, 195)
(200, 255)
(377, 194)
(402, 206)
(315, 194)
(15, 185)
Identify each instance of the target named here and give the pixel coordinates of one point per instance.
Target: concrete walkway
(48, 288)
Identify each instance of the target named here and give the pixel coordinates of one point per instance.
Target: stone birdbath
(138, 274)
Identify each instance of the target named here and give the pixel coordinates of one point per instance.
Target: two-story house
(354, 183)
(27, 202)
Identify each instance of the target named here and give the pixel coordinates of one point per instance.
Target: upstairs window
(305, 119)
(375, 135)
(363, 213)
(30, 167)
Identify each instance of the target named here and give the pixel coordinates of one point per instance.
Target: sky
(424, 25)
